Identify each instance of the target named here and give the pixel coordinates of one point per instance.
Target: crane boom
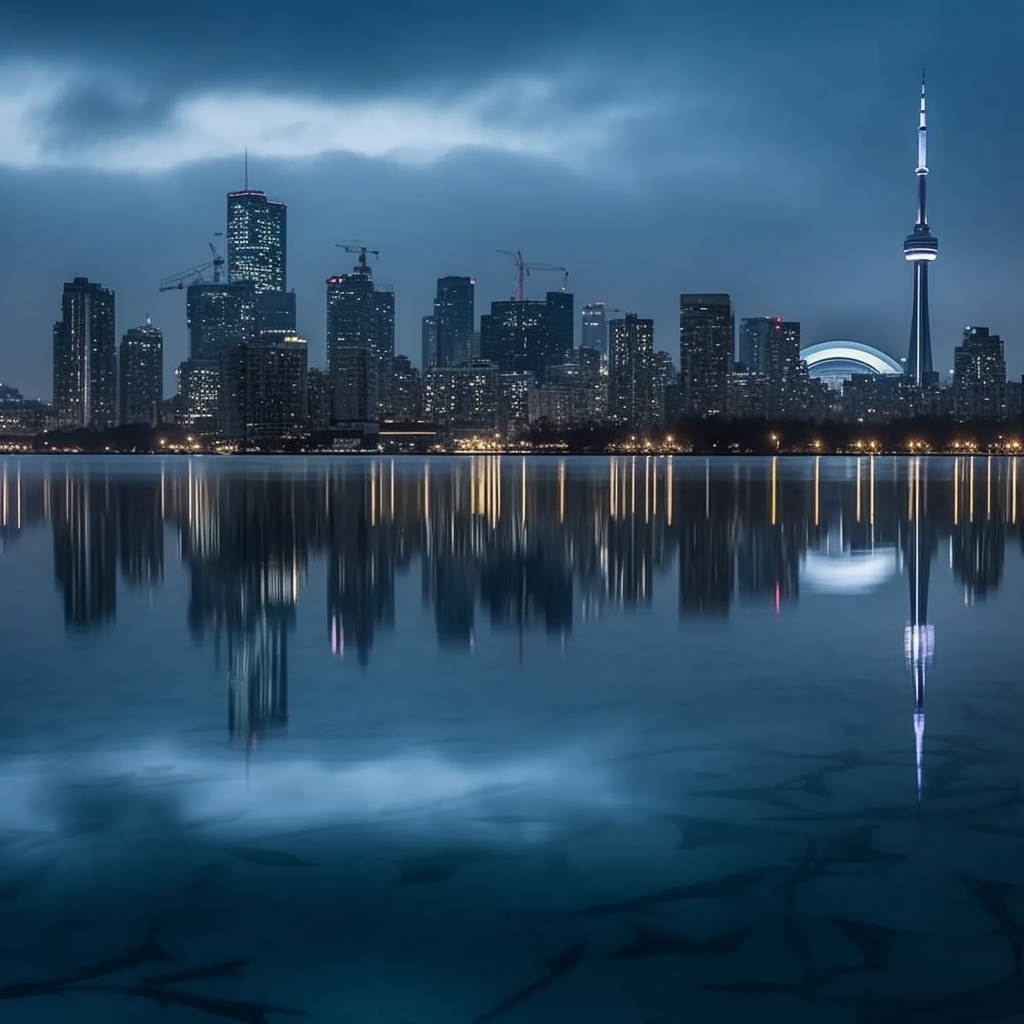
(361, 249)
(523, 269)
(194, 275)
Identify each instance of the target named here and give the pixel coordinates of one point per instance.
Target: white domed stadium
(835, 362)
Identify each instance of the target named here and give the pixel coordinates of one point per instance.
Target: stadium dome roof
(837, 361)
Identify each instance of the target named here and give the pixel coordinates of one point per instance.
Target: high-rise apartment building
(257, 240)
(263, 389)
(85, 357)
(428, 342)
(453, 320)
(706, 345)
(594, 329)
(361, 316)
(979, 376)
(356, 384)
(527, 334)
(754, 343)
(782, 368)
(141, 375)
(631, 385)
(220, 316)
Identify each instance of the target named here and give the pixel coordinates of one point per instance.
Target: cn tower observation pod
(835, 362)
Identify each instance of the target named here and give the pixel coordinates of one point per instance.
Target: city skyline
(614, 198)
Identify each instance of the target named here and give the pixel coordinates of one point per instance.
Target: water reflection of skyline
(516, 545)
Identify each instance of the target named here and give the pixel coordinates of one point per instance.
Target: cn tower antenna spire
(920, 248)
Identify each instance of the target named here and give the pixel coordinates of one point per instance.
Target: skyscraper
(525, 334)
(454, 319)
(263, 388)
(706, 342)
(85, 357)
(631, 387)
(220, 316)
(921, 247)
(428, 341)
(594, 329)
(781, 367)
(257, 240)
(754, 342)
(559, 324)
(361, 316)
(979, 376)
(141, 374)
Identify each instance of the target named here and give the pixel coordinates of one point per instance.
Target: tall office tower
(454, 319)
(666, 387)
(631, 392)
(263, 389)
(782, 368)
(706, 344)
(258, 240)
(559, 327)
(220, 316)
(920, 248)
(141, 374)
(361, 316)
(356, 386)
(85, 357)
(527, 334)
(754, 342)
(199, 394)
(979, 376)
(318, 399)
(594, 329)
(275, 315)
(428, 342)
(406, 403)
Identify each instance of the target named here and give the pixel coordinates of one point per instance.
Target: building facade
(85, 357)
(263, 390)
(220, 316)
(454, 320)
(594, 329)
(979, 376)
(528, 334)
(706, 344)
(141, 375)
(632, 397)
(361, 316)
(257, 241)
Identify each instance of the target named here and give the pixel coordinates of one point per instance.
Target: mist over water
(606, 740)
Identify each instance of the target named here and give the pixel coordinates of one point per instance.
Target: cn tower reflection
(920, 543)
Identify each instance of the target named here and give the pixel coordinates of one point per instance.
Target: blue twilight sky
(756, 147)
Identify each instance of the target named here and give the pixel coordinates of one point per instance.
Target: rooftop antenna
(246, 168)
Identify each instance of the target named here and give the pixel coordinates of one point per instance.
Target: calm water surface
(629, 741)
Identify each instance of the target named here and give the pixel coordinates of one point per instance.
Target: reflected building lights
(737, 533)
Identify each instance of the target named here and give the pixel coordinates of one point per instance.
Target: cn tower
(920, 248)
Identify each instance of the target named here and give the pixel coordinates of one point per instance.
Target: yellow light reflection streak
(561, 490)
(775, 488)
(956, 492)
(668, 490)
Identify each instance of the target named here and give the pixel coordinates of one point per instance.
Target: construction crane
(523, 271)
(361, 249)
(194, 275)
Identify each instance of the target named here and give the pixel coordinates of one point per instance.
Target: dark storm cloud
(766, 149)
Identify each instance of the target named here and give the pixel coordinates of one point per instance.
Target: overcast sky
(761, 148)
